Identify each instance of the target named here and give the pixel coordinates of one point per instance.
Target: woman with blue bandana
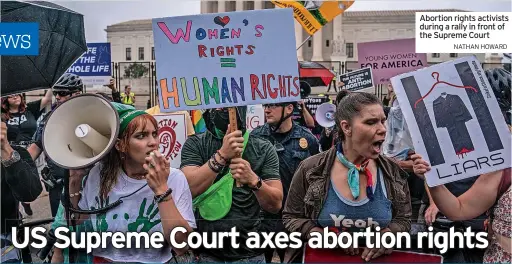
(352, 186)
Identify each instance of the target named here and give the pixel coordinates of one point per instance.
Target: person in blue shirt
(293, 144)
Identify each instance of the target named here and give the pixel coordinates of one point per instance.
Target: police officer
(66, 87)
(293, 144)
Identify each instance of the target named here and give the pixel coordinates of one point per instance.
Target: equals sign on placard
(228, 62)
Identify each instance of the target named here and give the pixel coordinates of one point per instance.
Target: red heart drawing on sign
(221, 21)
(225, 20)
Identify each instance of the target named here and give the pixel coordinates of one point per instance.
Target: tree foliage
(135, 70)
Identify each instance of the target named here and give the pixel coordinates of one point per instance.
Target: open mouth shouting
(377, 146)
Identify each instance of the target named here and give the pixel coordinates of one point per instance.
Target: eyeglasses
(271, 106)
(62, 93)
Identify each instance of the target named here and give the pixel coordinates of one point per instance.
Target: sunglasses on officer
(62, 93)
(271, 106)
(274, 106)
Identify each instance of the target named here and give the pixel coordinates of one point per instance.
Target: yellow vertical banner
(313, 15)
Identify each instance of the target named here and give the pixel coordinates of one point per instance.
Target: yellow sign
(313, 15)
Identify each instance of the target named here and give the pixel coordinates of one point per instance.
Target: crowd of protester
(277, 178)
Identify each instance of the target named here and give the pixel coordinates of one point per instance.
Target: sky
(99, 14)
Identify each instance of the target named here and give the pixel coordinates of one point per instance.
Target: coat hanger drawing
(436, 76)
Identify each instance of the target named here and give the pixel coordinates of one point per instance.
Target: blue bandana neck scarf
(353, 174)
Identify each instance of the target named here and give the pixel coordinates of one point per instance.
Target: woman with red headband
(350, 181)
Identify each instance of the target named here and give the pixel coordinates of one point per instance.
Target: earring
(123, 156)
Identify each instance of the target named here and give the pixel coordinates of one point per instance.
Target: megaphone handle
(233, 127)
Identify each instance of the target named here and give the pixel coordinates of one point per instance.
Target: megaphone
(80, 131)
(325, 115)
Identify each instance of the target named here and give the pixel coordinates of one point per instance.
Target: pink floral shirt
(501, 224)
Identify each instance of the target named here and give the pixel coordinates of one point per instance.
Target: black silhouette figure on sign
(436, 74)
(451, 113)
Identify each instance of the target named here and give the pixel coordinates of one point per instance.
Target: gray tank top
(349, 216)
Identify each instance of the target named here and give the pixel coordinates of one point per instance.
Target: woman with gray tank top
(351, 186)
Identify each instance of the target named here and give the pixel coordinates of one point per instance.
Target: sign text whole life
(89, 58)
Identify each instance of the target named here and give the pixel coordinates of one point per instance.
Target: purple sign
(390, 58)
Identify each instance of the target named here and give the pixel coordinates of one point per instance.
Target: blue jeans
(205, 258)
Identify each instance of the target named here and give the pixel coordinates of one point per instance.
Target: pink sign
(390, 58)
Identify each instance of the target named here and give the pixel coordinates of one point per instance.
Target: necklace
(137, 176)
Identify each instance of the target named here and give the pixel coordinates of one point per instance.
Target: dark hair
(351, 106)
(341, 94)
(6, 107)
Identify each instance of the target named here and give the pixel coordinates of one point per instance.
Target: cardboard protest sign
(94, 66)
(172, 133)
(357, 80)
(225, 60)
(390, 58)
(313, 102)
(313, 15)
(454, 120)
(255, 117)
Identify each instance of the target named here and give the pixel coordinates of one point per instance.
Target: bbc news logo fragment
(18, 39)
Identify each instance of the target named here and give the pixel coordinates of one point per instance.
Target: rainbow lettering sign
(226, 59)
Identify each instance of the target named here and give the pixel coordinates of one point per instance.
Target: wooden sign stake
(233, 127)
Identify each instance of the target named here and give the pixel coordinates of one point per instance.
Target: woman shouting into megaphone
(156, 198)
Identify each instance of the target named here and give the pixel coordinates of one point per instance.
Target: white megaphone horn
(80, 131)
(325, 115)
